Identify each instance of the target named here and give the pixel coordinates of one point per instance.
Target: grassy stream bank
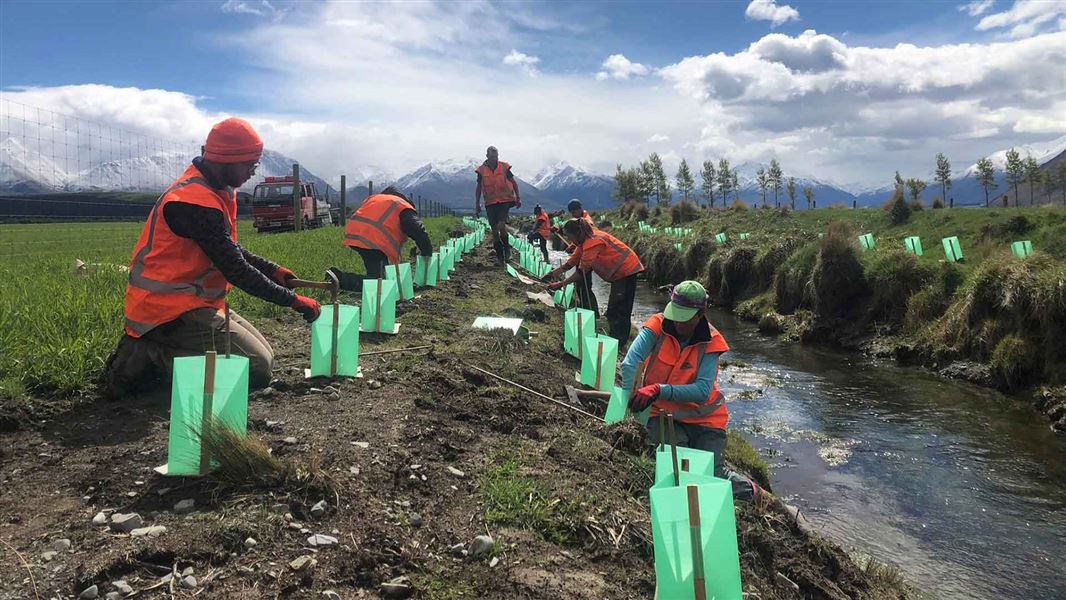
(420, 455)
(992, 319)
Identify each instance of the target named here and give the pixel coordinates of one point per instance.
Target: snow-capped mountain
(825, 192)
(1042, 152)
(452, 182)
(23, 171)
(563, 181)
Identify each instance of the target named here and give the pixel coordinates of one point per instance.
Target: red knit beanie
(233, 141)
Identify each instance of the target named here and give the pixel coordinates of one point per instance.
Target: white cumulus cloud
(976, 8)
(518, 59)
(658, 137)
(617, 66)
(768, 10)
(1027, 17)
(263, 8)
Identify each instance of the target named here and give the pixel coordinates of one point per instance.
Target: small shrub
(639, 212)
(656, 212)
(738, 205)
(937, 203)
(915, 205)
(897, 209)
(1012, 360)
(683, 212)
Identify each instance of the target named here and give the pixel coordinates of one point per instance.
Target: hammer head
(571, 394)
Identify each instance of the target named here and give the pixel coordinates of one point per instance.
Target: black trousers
(586, 298)
(534, 238)
(497, 215)
(620, 309)
(374, 262)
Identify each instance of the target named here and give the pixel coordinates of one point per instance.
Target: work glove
(643, 398)
(555, 286)
(282, 276)
(308, 307)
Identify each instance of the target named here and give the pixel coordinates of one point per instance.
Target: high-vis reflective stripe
(170, 274)
(622, 251)
(137, 278)
(376, 226)
(670, 364)
(616, 261)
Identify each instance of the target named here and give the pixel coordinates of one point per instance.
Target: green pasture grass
(57, 328)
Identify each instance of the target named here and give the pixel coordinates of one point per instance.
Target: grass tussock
(745, 458)
(663, 263)
(246, 462)
(696, 257)
(792, 281)
(633, 211)
(737, 267)
(897, 209)
(684, 212)
(838, 279)
(738, 205)
(893, 277)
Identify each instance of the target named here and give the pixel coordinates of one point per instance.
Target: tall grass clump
(738, 205)
(792, 281)
(897, 209)
(894, 276)
(684, 212)
(696, 257)
(663, 263)
(633, 211)
(837, 278)
(737, 268)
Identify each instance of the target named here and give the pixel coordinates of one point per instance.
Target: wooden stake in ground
(336, 321)
(208, 408)
(698, 582)
(599, 363)
(411, 349)
(229, 337)
(377, 311)
(673, 448)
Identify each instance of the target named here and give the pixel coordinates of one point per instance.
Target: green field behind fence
(57, 327)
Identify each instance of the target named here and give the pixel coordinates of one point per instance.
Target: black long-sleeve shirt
(207, 227)
(412, 227)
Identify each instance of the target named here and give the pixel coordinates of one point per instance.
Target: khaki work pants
(138, 362)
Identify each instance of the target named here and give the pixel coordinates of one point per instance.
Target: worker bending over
(496, 182)
(377, 230)
(541, 230)
(586, 298)
(184, 264)
(600, 252)
(680, 350)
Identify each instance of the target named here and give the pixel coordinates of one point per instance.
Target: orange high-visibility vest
(169, 274)
(544, 226)
(376, 226)
(495, 185)
(615, 260)
(669, 364)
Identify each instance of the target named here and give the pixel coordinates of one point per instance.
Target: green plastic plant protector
(745, 236)
(720, 238)
(599, 362)
(578, 324)
(867, 241)
(426, 268)
(678, 247)
(401, 273)
(694, 532)
(568, 295)
(617, 406)
(229, 406)
(952, 249)
(914, 245)
(442, 263)
(347, 341)
(700, 462)
(1022, 249)
(379, 306)
(511, 271)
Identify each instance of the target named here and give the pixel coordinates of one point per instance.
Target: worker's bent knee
(260, 369)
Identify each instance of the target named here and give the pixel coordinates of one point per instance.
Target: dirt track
(590, 538)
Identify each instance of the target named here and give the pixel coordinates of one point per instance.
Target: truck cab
(272, 205)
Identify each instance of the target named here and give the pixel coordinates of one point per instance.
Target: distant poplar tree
(707, 182)
(1015, 171)
(986, 176)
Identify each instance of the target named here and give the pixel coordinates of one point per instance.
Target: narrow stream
(961, 487)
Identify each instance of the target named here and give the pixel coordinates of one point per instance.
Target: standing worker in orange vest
(377, 230)
(679, 350)
(184, 264)
(497, 183)
(541, 230)
(600, 252)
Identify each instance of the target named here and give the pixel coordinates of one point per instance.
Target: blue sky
(593, 83)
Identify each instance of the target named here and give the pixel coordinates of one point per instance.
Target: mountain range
(452, 181)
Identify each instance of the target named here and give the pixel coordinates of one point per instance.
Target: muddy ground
(421, 454)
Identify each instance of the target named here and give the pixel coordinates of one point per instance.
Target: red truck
(272, 205)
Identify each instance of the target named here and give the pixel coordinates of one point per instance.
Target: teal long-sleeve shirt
(698, 391)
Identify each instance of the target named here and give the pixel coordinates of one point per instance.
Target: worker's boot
(498, 248)
(130, 368)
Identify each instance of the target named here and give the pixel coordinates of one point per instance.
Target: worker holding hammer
(679, 350)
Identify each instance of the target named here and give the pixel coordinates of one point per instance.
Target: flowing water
(961, 487)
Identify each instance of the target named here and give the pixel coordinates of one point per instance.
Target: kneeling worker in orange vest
(377, 230)
(600, 252)
(679, 350)
(184, 264)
